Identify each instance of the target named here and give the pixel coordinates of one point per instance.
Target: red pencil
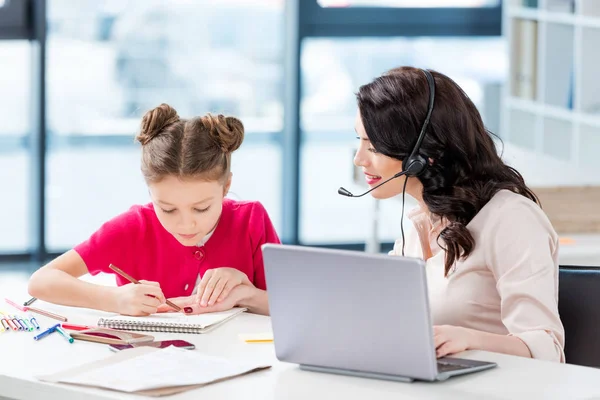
(74, 327)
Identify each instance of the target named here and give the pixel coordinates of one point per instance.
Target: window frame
(303, 19)
(307, 19)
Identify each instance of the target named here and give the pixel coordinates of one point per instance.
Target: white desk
(21, 358)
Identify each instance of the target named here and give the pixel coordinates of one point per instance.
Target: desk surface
(514, 378)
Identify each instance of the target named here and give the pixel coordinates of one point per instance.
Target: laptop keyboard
(446, 366)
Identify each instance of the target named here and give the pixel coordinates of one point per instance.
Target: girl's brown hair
(199, 147)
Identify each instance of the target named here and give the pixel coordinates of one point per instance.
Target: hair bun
(227, 132)
(155, 121)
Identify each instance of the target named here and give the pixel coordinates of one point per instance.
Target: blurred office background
(76, 77)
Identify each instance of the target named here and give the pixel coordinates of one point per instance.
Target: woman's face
(378, 167)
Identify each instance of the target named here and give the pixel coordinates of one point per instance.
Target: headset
(415, 164)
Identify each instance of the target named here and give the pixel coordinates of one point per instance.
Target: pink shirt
(136, 242)
(509, 283)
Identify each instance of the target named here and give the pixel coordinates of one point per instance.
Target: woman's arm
(57, 282)
(499, 343)
(522, 252)
(449, 339)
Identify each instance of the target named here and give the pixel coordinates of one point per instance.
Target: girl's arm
(255, 300)
(57, 282)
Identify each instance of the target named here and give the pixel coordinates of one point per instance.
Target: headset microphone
(346, 192)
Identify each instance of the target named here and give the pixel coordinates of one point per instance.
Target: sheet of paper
(164, 368)
(202, 320)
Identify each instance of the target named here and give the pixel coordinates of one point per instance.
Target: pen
(46, 332)
(64, 334)
(135, 281)
(74, 327)
(30, 301)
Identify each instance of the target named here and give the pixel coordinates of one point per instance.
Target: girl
(491, 252)
(189, 232)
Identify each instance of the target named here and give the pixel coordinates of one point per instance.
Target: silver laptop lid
(350, 310)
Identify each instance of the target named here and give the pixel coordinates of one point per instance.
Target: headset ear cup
(415, 165)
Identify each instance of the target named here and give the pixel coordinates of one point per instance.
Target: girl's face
(188, 209)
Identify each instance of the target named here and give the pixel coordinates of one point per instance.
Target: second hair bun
(227, 132)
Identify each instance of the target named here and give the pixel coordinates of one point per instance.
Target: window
(110, 61)
(15, 106)
(332, 70)
(409, 3)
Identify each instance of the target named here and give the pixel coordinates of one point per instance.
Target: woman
(491, 252)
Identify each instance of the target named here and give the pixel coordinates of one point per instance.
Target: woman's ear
(227, 184)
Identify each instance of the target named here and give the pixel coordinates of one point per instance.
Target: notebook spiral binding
(151, 327)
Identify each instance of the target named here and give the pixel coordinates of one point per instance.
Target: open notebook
(171, 322)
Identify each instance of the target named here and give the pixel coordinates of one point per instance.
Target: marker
(25, 324)
(2, 328)
(10, 323)
(34, 322)
(15, 321)
(46, 332)
(5, 325)
(64, 334)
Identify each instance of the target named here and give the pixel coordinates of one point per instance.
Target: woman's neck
(414, 188)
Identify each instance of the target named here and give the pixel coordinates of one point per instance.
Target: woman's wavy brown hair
(466, 171)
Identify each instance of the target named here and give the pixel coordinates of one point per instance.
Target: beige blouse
(509, 283)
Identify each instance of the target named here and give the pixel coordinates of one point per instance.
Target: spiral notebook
(171, 322)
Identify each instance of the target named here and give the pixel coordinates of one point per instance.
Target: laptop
(355, 313)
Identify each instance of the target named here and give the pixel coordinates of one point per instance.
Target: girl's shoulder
(136, 218)
(247, 216)
(245, 208)
(138, 212)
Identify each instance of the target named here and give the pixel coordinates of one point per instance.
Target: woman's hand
(216, 284)
(450, 339)
(190, 306)
(139, 300)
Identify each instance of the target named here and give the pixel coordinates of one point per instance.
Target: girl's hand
(190, 305)
(217, 283)
(450, 339)
(139, 300)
